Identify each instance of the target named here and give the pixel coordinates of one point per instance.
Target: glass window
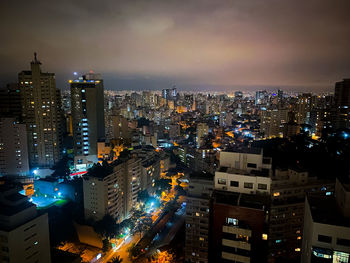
(248, 185)
(324, 239)
(343, 242)
(221, 181)
(234, 183)
(232, 221)
(262, 186)
(251, 165)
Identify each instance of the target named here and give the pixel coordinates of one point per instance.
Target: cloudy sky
(204, 44)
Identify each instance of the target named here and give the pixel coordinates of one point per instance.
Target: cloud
(199, 42)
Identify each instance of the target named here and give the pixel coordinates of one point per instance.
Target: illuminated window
(201, 238)
(222, 181)
(276, 194)
(264, 236)
(197, 214)
(232, 221)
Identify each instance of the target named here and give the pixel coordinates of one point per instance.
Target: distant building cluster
(102, 149)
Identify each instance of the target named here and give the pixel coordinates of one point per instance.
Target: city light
(213, 131)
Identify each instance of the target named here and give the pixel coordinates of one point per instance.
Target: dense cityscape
(172, 174)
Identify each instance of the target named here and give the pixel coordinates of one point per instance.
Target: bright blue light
(99, 256)
(75, 73)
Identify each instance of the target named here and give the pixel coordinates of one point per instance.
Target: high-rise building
(261, 97)
(112, 189)
(342, 104)
(287, 201)
(41, 112)
(169, 94)
(281, 194)
(241, 206)
(24, 234)
(239, 227)
(273, 122)
(302, 108)
(10, 101)
(197, 217)
(120, 127)
(13, 148)
(87, 102)
(202, 130)
(327, 226)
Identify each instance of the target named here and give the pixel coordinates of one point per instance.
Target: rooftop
(202, 176)
(324, 210)
(231, 170)
(250, 150)
(238, 199)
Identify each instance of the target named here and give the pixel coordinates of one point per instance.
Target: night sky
(151, 44)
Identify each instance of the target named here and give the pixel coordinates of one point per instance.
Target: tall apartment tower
(342, 103)
(87, 102)
(202, 130)
(327, 226)
(24, 235)
(197, 217)
(112, 190)
(41, 112)
(13, 148)
(10, 101)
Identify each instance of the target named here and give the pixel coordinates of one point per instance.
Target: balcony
(236, 229)
(236, 244)
(234, 257)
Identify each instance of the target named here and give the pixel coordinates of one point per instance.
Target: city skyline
(153, 131)
(198, 46)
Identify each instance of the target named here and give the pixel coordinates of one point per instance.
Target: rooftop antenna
(36, 59)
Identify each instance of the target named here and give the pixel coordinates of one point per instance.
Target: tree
(143, 196)
(101, 170)
(107, 227)
(144, 225)
(162, 185)
(106, 245)
(133, 251)
(117, 259)
(62, 168)
(127, 223)
(179, 190)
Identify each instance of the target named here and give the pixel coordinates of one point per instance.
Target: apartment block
(197, 218)
(24, 233)
(327, 226)
(13, 148)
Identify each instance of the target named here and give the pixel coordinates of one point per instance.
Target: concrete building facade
(13, 148)
(41, 112)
